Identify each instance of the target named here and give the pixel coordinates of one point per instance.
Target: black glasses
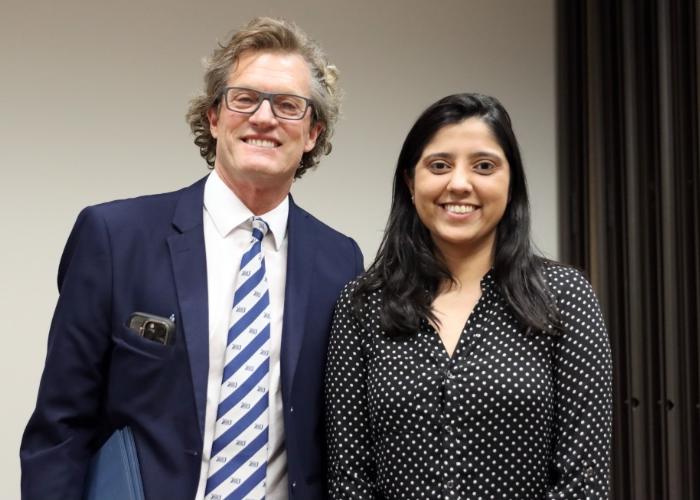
(287, 106)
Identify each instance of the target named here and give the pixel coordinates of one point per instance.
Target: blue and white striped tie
(239, 452)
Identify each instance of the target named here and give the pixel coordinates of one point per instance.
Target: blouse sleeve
(351, 468)
(583, 383)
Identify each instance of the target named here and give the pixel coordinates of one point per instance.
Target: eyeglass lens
(283, 105)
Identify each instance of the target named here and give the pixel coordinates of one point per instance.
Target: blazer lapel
(188, 256)
(300, 258)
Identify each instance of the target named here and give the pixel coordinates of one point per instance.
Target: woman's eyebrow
(438, 156)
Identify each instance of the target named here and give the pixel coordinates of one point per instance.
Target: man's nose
(264, 114)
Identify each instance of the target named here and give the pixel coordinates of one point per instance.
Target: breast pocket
(141, 373)
(129, 340)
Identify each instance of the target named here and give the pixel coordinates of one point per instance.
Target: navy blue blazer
(147, 254)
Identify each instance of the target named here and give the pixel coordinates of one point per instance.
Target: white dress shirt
(227, 233)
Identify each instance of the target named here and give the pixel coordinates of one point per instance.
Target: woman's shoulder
(568, 284)
(564, 278)
(358, 309)
(360, 286)
(355, 292)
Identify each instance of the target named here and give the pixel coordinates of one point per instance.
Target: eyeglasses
(286, 106)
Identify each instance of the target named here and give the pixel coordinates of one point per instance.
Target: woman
(461, 365)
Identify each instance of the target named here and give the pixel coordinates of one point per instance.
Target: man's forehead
(285, 67)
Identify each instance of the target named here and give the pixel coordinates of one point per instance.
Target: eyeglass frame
(267, 96)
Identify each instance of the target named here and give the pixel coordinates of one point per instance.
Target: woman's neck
(468, 266)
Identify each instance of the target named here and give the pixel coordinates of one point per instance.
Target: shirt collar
(228, 212)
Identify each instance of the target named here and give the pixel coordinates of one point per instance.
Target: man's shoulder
(145, 208)
(313, 223)
(334, 247)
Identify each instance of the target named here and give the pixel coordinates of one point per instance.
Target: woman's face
(460, 187)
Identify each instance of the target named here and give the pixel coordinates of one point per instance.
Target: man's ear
(314, 132)
(213, 116)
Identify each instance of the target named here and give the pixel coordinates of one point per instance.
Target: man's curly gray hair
(268, 34)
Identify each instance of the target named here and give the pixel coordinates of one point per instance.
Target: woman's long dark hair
(408, 270)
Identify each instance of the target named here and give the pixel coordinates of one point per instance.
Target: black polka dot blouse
(508, 416)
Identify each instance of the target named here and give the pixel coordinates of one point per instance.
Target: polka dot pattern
(508, 416)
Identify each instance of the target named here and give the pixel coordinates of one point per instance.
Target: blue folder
(114, 472)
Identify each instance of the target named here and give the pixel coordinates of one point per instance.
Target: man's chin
(267, 173)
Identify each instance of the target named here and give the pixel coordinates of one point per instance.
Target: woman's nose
(460, 180)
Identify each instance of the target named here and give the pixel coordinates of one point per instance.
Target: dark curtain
(629, 184)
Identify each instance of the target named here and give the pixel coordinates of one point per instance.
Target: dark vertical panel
(610, 254)
(638, 400)
(630, 200)
(628, 468)
(572, 92)
(594, 146)
(669, 297)
(648, 382)
(694, 255)
(683, 153)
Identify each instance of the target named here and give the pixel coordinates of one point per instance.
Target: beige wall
(93, 98)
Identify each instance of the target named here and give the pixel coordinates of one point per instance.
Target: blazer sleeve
(359, 264)
(583, 383)
(62, 432)
(350, 464)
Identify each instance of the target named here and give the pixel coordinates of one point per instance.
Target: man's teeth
(263, 143)
(460, 209)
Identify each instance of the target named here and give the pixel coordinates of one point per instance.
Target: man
(270, 104)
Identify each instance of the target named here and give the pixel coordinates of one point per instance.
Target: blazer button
(291, 409)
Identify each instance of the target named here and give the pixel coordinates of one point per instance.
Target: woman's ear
(409, 182)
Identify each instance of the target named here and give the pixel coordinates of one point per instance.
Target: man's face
(259, 150)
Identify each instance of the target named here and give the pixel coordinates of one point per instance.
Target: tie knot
(260, 228)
